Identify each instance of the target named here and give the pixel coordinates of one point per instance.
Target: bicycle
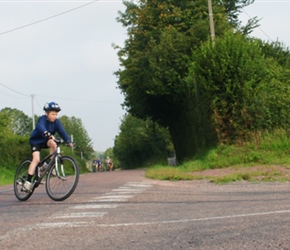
(62, 175)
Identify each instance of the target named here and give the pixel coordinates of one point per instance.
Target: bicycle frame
(53, 162)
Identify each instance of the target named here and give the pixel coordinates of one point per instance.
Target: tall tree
(233, 8)
(19, 122)
(75, 128)
(13, 140)
(141, 142)
(155, 60)
(239, 87)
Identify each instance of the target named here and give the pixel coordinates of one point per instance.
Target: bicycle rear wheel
(19, 179)
(62, 180)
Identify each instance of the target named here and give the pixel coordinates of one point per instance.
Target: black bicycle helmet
(51, 106)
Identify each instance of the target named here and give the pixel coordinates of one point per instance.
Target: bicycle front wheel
(19, 179)
(62, 178)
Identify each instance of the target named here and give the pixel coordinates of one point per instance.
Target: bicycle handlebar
(61, 141)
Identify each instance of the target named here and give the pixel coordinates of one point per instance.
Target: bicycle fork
(59, 169)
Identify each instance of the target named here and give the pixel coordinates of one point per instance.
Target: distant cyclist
(43, 137)
(109, 163)
(99, 165)
(94, 165)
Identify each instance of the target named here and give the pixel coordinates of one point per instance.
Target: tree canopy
(171, 73)
(141, 143)
(76, 129)
(236, 85)
(19, 123)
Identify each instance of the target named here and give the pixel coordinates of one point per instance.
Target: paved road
(124, 210)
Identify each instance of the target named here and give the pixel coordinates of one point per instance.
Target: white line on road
(137, 184)
(128, 190)
(101, 199)
(77, 215)
(95, 224)
(95, 206)
(114, 196)
(61, 224)
(193, 220)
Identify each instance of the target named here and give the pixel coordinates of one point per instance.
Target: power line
(37, 102)
(64, 98)
(14, 90)
(76, 99)
(48, 18)
(259, 26)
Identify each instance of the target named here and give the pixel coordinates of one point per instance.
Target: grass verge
(6, 176)
(264, 159)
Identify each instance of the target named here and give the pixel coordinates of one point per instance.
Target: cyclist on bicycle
(109, 164)
(43, 137)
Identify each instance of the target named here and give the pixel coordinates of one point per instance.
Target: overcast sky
(68, 57)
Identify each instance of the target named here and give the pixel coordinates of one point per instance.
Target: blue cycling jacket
(43, 124)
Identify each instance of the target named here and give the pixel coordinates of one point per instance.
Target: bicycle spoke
(19, 179)
(62, 179)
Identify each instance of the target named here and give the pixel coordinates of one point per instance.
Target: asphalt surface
(124, 210)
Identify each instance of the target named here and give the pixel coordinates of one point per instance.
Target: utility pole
(211, 23)
(32, 104)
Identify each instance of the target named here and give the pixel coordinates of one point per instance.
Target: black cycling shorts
(38, 147)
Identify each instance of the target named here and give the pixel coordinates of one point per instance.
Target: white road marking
(77, 215)
(194, 220)
(137, 184)
(121, 194)
(61, 224)
(95, 206)
(114, 196)
(128, 190)
(95, 224)
(101, 199)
